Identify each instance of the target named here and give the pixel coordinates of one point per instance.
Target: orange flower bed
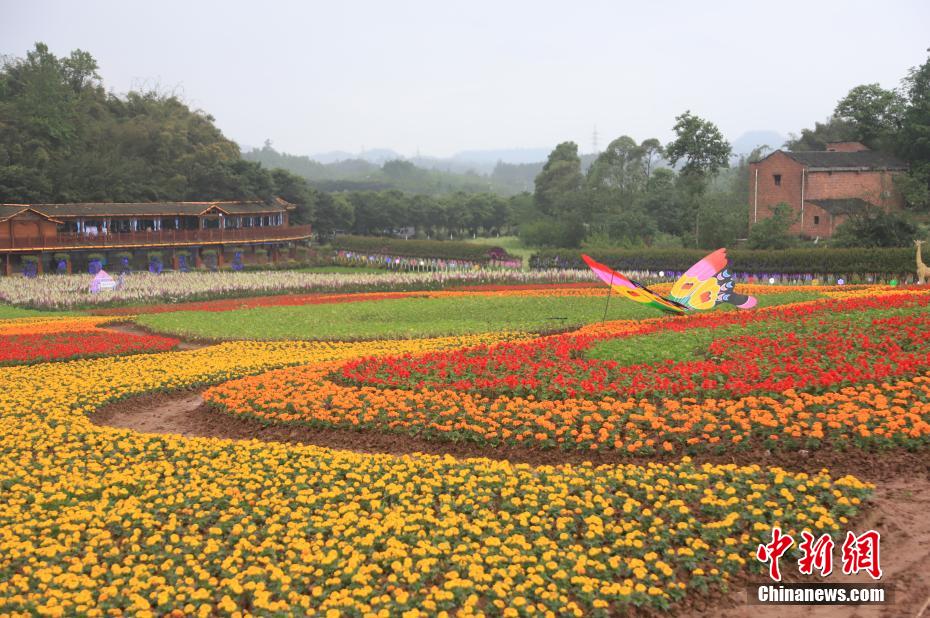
(39, 326)
(893, 411)
(868, 415)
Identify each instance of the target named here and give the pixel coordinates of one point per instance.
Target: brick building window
(777, 178)
(816, 220)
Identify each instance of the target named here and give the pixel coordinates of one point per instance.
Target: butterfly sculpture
(703, 286)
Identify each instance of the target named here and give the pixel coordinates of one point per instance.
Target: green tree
(914, 137)
(297, 191)
(333, 212)
(774, 232)
(614, 179)
(652, 153)
(456, 216)
(64, 139)
(875, 228)
(915, 187)
(704, 151)
(873, 112)
(633, 227)
(665, 202)
(699, 144)
(833, 130)
(558, 185)
(567, 232)
(724, 218)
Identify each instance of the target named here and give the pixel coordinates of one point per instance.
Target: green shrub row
(787, 261)
(442, 249)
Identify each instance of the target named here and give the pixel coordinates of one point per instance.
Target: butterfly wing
(632, 290)
(707, 284)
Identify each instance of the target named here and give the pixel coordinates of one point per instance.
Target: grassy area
(406, 318)
(511, 244)
(692, 344)
(8, 312)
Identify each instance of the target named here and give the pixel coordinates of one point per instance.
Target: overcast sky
(448, 76)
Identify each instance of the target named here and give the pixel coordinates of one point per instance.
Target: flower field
(71, 291)
(825, 371)
(100, 521)
(582, 289)
(58, 339)
(412, 314)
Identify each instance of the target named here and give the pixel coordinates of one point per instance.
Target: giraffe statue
(923, 271)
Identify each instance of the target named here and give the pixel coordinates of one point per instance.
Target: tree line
(632, 195)
(362, 175)
(63, 138)
(893, 121)
(625, 200)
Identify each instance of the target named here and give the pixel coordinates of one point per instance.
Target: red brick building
(823, 187)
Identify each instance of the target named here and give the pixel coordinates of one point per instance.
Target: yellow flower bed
(98, 521)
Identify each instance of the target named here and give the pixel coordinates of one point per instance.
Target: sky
(442, 77)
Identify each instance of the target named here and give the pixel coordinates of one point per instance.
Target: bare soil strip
(900, 508)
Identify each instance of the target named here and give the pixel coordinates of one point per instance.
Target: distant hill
(504, 171)
(376, 155)
(745, 143)
(463, 162)
(347, 172)
(507, 155)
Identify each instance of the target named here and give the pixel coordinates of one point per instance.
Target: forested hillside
(64, 138)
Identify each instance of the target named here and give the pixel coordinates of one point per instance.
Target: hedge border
(440, 249)
(788, 261)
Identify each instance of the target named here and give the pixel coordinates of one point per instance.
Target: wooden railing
(156, 239)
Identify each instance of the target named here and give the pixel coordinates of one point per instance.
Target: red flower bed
(39, 348)
(808, 355)
(503, 287)
(232, 304)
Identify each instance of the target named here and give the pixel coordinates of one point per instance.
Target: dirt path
(900, 508)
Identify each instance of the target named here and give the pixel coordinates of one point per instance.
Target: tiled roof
(11, 210)
(164, 209)
(843, 206)
(863, 159)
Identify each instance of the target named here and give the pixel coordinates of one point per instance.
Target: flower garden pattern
(44, 340)
(99, 521)
(837, 382)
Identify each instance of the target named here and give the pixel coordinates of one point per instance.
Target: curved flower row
(16, 349)
(97, 521)
(807, 346)
(780, 390)
(36, 341)
(36, 326)
(887, 414)
(555, 289)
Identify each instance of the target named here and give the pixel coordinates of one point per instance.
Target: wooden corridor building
(43, 233)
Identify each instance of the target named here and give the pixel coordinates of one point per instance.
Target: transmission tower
(594, 141)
